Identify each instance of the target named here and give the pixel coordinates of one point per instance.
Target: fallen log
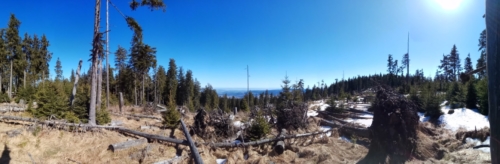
(55, 123)
(152, 136)
(127, 144)
(145, 116)
(480, 146)
(346, 128)
(280, 145)
(194, 151)
(264, 141)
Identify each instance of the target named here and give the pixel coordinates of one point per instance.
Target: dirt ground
(58, 146)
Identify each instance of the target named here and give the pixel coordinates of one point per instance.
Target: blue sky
(311, 40)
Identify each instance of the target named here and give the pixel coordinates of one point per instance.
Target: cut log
(128, 144)
(280, 145)
(194, 151)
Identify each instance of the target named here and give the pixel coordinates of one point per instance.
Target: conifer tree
(171, 86)
(468, 64)
(471, 97)
(13, 47)
(58, 70)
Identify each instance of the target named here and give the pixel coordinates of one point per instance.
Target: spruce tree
(482, 91)
(171, 85)
(468, 64)
(189, 84)
(58, 70)
(471, 97)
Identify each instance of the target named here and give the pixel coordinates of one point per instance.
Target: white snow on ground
(238, 124)
(320, 103)
(345, 139)
(478, 142)
(463, 117)
(363, 107)
(325, 128)
(221, 161)
(311, 113)
(363, 122)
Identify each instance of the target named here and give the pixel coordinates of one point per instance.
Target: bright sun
(449, 4)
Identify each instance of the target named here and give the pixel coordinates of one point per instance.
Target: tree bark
(99, 86)
(142, 93)
(1, 86)
(128, 144)
(493, 70)
(107, 54)
(95, 58)
(75, 84)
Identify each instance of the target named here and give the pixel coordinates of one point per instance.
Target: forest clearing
(50, 144)
(344, 98)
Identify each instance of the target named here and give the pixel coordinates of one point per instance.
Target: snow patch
(324, 129)
(478, 142)
(221, 161)
(344, 139)
(466, 118)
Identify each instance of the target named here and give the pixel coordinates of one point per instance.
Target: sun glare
(449, 4)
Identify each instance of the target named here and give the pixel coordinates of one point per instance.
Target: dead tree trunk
(121, 103)
(264, 141)
(192, 146)
(77, 77)
(95, 59)
(127, 144)
(10, 81)
(99, 86)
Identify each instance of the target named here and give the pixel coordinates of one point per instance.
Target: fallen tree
(264, 141)
(145, 116)
(56, 123)
(59, 124)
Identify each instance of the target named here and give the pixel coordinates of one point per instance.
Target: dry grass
(55, 146)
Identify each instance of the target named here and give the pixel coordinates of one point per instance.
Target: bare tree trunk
(99, 86)
(95, 58)
(107, 54)
(121, 103)
(77, 77)
(135, 92)
(142, 94)
(493, 69)
(1, 86)
(24, 81)
(10, 81)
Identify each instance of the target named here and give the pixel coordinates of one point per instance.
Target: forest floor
(58, 146)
